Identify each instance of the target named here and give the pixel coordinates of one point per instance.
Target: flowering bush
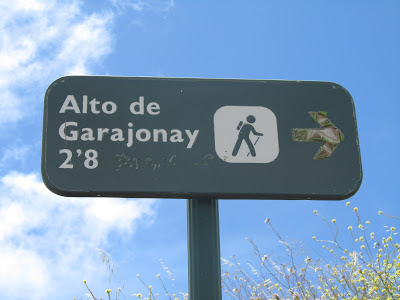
(369, 269)
(148, 294)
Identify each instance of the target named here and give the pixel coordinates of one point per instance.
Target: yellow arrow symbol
(329, 135)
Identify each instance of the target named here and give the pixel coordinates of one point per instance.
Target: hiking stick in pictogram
(254, 145)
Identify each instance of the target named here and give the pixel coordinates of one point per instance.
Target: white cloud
(42, 40)
(11, 108)
(141, 5)
(14, 153)
(47, 241)
(22, 271)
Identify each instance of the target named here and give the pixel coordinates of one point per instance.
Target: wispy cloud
(47, 241)
(14, 153)
(163, 6)
(42, 40)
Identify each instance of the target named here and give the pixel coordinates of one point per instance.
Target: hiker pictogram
(244, 135)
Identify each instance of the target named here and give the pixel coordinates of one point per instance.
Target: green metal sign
(200, 138)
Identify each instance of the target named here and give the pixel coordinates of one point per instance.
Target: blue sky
(48, 243)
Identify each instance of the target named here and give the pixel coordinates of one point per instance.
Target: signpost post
(203, 140)
(203, 249)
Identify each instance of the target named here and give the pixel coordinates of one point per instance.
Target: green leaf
(314, 117)
(323, 113)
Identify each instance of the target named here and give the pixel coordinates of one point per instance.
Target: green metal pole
(203, 249)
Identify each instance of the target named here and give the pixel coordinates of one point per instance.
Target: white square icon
(246, 134)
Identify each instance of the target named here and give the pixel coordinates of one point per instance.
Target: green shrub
(369, 269)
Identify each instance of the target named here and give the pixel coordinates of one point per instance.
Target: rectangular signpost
(200, 139)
